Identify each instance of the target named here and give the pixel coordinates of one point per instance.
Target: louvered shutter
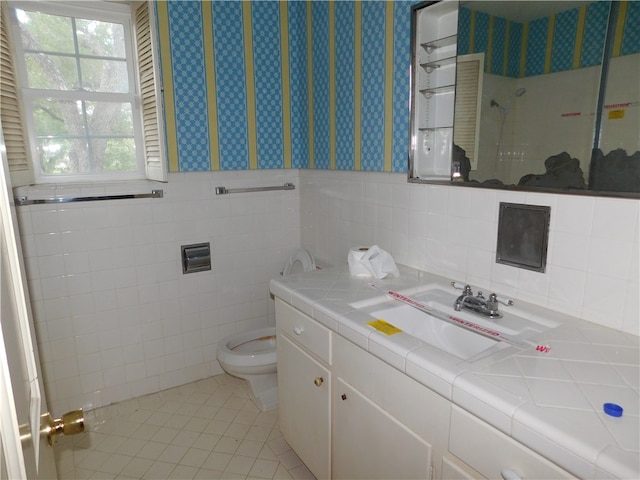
(467, 111)
(150, 101)
(11, 109)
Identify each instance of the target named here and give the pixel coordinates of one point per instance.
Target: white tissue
(371, 261)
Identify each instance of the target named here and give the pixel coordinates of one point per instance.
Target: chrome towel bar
(224, 190)
(22, 201)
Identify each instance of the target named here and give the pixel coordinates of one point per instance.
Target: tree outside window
(79, 93)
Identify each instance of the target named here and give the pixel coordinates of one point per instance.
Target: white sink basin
(463, 334)
(445, 336)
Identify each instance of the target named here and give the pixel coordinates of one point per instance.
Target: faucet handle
(492, 304)
(505, 301)
(466, 289)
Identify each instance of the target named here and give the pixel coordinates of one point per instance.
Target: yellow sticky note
(615, 114)
(384, 327)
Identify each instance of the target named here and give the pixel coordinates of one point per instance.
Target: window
(88, 90)
(468, 97)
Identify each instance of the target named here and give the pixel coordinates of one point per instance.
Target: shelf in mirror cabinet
(435, 129)
(432, 45)
(430, 92)
(441, 63)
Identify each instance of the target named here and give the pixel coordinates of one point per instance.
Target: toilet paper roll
(371, 261)
(356, 261)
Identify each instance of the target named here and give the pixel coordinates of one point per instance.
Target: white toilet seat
(257, 353)
(301, 260)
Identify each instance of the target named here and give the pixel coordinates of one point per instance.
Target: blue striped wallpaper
(298, 76)
(265, 18)
(320, 52)
(516, 31)
(464, 31)
(541, 56)
(595, 31)
(401, 39)
(499, 38)
(338, 97)
(318, 99)
(345, 85)
(373, 69)
(190, 90)
(631, 36)
(536, 47)
(228, 44)
(564, 40)
(481, 32)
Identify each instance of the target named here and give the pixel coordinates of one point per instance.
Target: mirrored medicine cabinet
(527, 95)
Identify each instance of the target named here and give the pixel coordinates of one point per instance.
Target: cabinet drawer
(493, 453)
(304, 330)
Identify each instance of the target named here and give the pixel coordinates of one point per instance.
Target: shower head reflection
(504, 110)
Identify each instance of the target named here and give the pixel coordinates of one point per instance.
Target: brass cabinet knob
(318, 381)
(71, 423)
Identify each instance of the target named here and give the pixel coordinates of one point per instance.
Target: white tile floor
(208, 429)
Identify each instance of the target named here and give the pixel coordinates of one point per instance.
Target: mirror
(540, 86)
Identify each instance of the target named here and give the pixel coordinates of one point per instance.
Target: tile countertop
(552, 402)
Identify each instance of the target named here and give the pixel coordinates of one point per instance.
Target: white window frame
(102, 11)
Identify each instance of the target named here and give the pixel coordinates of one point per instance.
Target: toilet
(252, 355)
(300, 261)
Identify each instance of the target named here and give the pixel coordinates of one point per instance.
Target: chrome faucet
(487, 307)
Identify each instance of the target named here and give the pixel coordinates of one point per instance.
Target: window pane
(57, 117)
(104, 75)
(101, 39)
(63, 155)
(63, 142)
(52, 72)
(45, 33)
(106, 118)
(116, 154)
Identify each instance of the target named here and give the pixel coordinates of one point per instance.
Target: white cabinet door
(368, 443)
(304, 388)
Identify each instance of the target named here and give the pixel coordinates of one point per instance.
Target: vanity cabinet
(385, 425)
(304, 387)
(349, 415)
(495, 455)
(433, 59)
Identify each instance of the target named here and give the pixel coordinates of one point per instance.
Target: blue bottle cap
(613, 409)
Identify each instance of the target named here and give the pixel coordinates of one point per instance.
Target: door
(23, 408)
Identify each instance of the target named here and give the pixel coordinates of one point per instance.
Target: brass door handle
(318, 381)
(70, 423)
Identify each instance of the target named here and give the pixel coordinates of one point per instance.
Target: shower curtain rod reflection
(23, 201)
(225, 190)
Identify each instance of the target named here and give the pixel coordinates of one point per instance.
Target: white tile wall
(115, 317)
(593, 260)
